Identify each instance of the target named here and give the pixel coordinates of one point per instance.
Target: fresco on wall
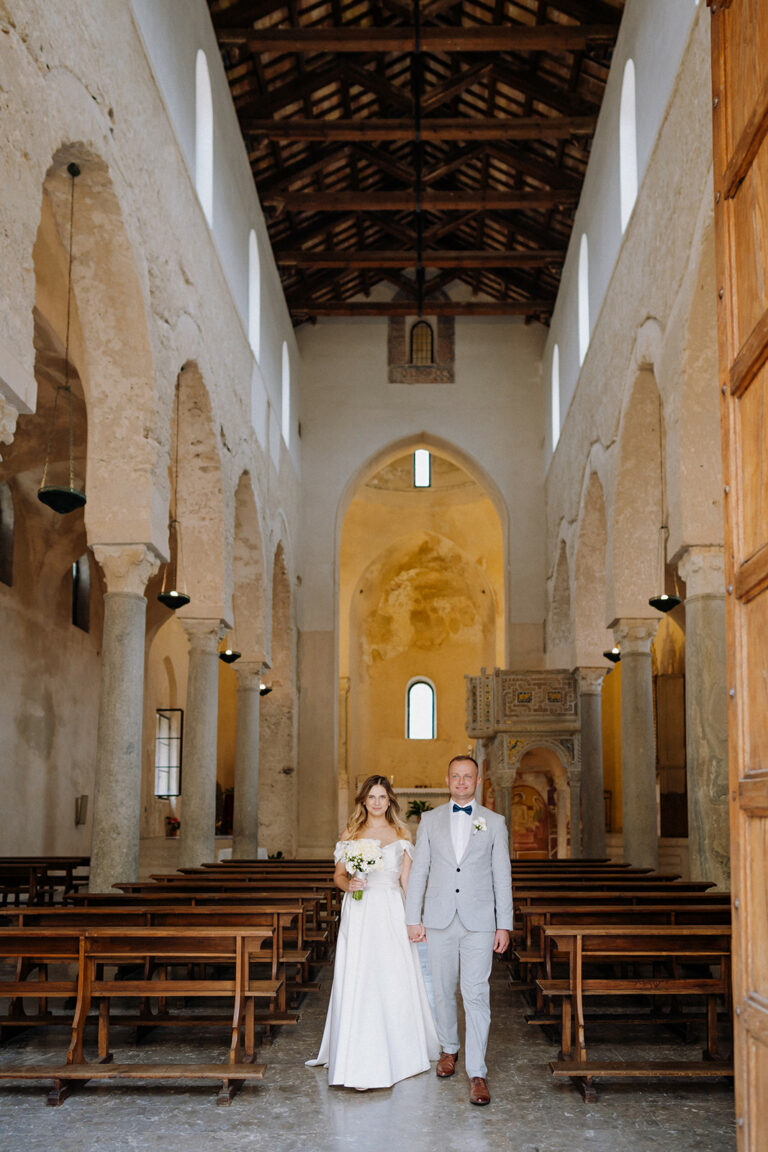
(530, 822)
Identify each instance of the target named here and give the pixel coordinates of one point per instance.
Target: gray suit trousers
(456, 954)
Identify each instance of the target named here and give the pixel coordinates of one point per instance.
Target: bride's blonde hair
(360, 813)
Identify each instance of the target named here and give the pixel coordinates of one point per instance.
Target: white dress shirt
(461, 828)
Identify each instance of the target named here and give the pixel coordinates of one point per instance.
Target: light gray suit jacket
(478, 887)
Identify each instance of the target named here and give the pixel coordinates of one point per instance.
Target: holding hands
(416, 933)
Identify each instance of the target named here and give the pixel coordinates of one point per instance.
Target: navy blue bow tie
(458, 808)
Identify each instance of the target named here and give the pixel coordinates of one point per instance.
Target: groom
(462, 860)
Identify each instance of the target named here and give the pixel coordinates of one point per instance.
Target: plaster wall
(658, 318)
(153, 290)
(656, 35)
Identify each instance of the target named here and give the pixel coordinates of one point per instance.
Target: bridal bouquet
(361, 856)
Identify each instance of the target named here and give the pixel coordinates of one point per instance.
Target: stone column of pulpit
(706, 715)
(590, 684)
(245, 829)
(198, 779)
(638, 745)
(561, 808)
(117, 786)
(574, 786)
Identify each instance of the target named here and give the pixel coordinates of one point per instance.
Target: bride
(379, 1028)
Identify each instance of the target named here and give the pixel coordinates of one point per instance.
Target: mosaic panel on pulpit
(536, 694)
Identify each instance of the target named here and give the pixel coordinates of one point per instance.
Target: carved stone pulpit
(514, 714)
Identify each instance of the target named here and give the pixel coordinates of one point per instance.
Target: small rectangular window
(422, 468)
(168, 741)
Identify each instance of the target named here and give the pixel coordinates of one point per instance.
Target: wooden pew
(677, 948)
(37, 878)
(94, 948)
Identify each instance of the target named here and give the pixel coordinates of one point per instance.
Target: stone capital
(590, 680)
(573, 774)
(634, 635)
(702, 566)
(8, 417)
(203, 635)
(249, 674)
(127, 567)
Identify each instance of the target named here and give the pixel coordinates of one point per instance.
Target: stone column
(198, 779)
(117, 786)
(590, 684)
(245, 838)
(562, 820)
(706, 715)
(574, 784)
(638, 745)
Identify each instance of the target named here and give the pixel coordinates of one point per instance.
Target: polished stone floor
(293, 1110)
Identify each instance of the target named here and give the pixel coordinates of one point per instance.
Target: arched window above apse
(6, 534)
(627, 145)
(286, 396)
(254, 295)
(81, 593)
(203, 135)
(422, 343)
(555, 386)
(421, 711)
(583, 297)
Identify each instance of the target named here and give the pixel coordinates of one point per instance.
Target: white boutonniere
(479, 825)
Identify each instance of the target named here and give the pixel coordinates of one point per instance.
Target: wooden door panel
(751, 443)
(754, 626)
(740, 132)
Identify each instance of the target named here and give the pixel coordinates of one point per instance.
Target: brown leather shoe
(478, 1091)
(446, 1065)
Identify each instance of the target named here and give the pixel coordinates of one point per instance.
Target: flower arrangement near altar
(360, 857)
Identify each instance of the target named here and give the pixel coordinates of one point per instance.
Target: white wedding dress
(379, 1028)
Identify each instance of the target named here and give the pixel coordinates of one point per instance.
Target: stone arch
(278, 795)
(200, 500)
(250, 607)
(560, 630)
(637, 504)
(114, 358)
(591, 636)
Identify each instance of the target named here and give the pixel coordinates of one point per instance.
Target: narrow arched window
(583, 298)
(81, 593)
(555, 396)
(203, 135)
(421, 719)
(6, 535)
(627, 145)
(422, 343)
(254, 295)
(286, 396)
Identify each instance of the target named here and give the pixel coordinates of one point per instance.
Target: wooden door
(740, 118)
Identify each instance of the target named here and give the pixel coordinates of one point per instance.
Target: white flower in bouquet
(360, 857)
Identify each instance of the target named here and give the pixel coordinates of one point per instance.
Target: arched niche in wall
(203, 135)
(559, 631)
(627, 144)
(421, 574)
(591, 635)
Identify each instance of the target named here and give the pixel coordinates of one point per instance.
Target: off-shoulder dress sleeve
(408, 847)
(338, 851)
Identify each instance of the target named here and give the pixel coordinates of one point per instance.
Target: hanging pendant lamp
(229, 654)
(173, 594)
(60, 497)
(663, 602)
(613, 654)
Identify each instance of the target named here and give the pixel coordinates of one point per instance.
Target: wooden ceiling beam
(460, 128)
(487, 38)
(386, 92)
(304, 307)
(431, 201)
(384, 258)
(453, 86)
